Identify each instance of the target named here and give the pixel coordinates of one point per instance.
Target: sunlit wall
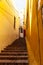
(32, 38)
(7, 32)
(40, 22)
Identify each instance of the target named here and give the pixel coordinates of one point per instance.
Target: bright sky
(19, 4)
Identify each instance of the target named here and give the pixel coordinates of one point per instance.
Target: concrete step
(14, 61)
(13, 53)
(20, 44)
(13, 57)
(15, 48)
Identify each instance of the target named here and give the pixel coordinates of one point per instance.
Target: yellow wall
(7, 32)
(40, 33)
(32, 37)
(25, 16)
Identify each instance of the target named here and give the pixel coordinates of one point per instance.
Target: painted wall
(7, 32)
(32, 36)
(40, 33)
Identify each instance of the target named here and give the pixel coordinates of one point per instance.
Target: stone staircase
(15, 54)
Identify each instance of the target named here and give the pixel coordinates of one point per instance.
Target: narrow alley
(21, 32)
(15, 54)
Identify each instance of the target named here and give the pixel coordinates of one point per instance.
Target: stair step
(14, 49)
(16, 45)
(14, 61)
(13, 53)
(12, 57)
